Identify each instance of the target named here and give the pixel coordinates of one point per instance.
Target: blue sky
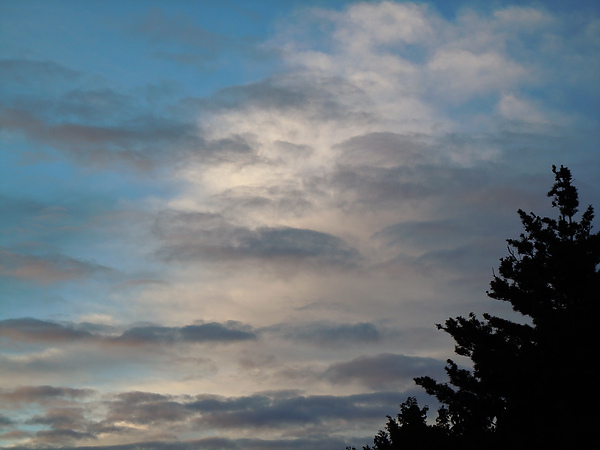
(235, 224)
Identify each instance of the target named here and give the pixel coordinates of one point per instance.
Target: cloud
(190, 236)
(327, 334)
(60, 418)
(41, 331)
(47, 72)
(90, 122)
(145, 409)
(467, 74)
(216, 443)
(336, 209)
(136, 141)
(5, 421)
(35, 330)
(386, 370)
(261, 411)
(123, 415)
(43, 394)
(47, 269)
(205, 332)
(180, 39)
(61, 436)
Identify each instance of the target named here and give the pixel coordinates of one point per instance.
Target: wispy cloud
(46, 269)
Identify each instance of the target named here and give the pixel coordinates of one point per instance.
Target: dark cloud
(327, 334)
(376, 188)
(423, 234)
(40, 331)
(475, 257)
(268, 411)
(309, 96)
(43, 394)
(385, 149)
(94, 124)
(192, 236)
(386, 370)
(231, 331)
(137, 141)
(206, 332)
(464, 175)
(281, 198)
(34, 330)
(255, 411)
(295, 242)
(5, 421)
(217, 443)
(16, 435)
(265, 94)
(146, 412)
(60, 418)
(61, 436)
(307, 417)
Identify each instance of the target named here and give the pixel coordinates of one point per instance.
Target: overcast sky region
(234, 224)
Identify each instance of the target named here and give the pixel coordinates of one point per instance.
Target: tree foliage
(532, 384)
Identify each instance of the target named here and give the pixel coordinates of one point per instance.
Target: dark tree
(532, 383)
(410, 430)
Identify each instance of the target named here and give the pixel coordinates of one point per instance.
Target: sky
(235, 225)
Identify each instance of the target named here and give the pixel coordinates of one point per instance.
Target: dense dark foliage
(532, 384)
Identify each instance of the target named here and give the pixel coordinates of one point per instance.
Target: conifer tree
(533, 382)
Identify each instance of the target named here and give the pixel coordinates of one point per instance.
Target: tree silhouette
(532, 384)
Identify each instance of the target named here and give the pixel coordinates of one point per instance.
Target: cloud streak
(41, 331)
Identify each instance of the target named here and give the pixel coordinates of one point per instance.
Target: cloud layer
(232, 238)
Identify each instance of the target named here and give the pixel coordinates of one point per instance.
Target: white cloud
(461, 74)
(368, 25)
(523, 16)
(514, 108)
(393, 117)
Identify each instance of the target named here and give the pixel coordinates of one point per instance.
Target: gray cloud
(61, 436)
(85, 417)
(21, 71)
(216, 443)
(93, 124)
(386, 370)
(327, 334)
(423, 234)
(41, 331)
(386, 149)
(34, 330)
(43, 394)
(261, 411)
(375, 188)
(181, 40)
(60, 418)
(5, 421)
(148, 411)
(205, 332)
(138, 141)
(190, 236)
(320, 97)
(47, 269)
